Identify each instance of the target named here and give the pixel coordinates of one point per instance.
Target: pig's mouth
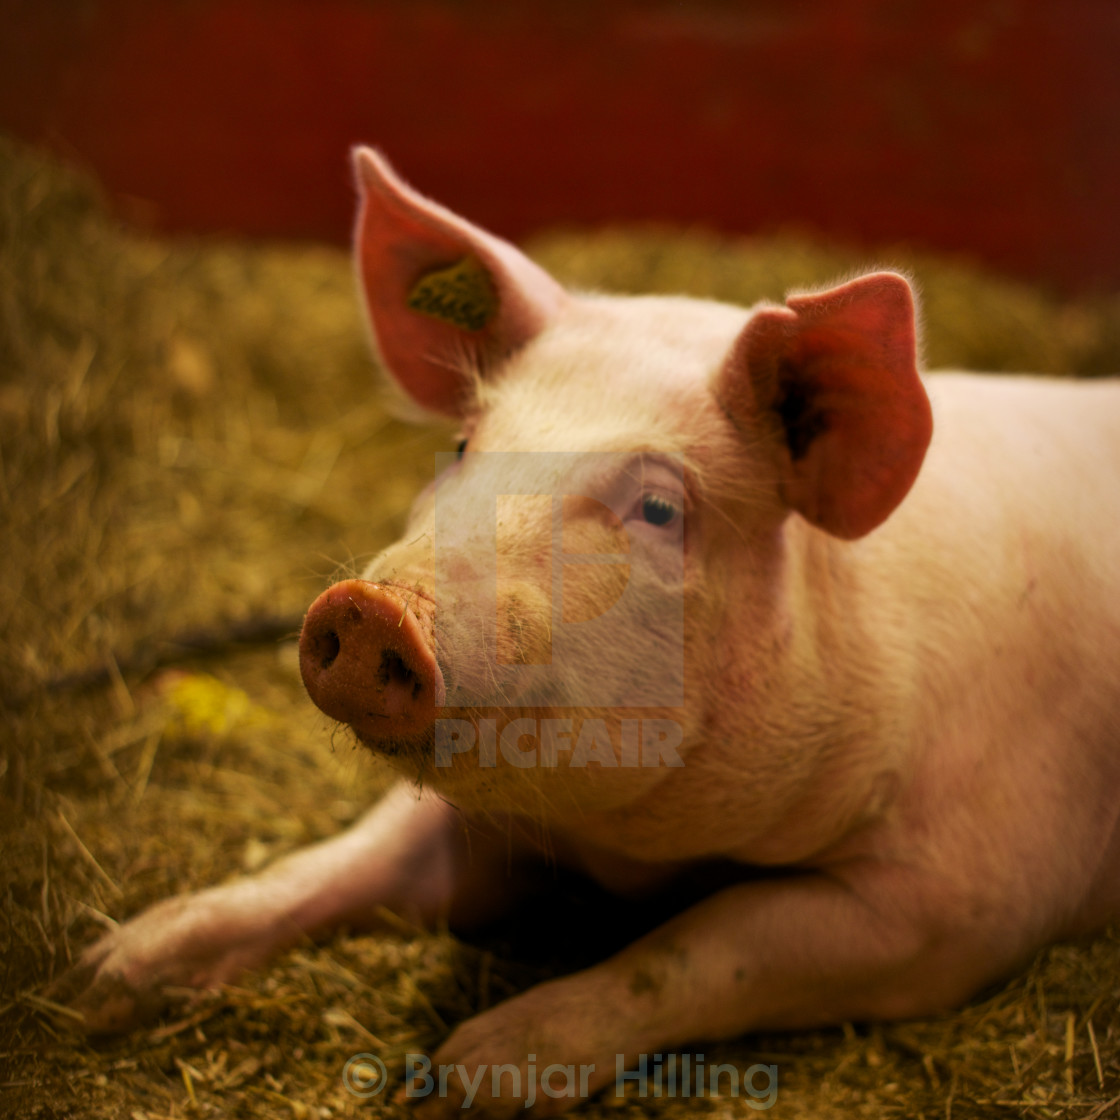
(409, 751)
(366, 659)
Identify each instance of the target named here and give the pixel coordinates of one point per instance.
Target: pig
(705, 591)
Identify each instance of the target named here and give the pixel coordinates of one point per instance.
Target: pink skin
(367, 661)
(895, 673)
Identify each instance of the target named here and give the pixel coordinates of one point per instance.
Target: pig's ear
(838, 369)
(443, 296)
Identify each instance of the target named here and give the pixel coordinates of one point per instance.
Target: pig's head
(611, 545)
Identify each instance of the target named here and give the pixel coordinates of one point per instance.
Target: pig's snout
(366, 657)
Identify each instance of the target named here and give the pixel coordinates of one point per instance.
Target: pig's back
(1010, 550)
(1024, 453)
(1001, 568)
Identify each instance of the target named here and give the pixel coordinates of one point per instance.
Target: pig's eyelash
(643, 472)
(658, 510)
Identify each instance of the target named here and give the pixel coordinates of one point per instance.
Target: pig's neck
(800, 741)
(827, 717)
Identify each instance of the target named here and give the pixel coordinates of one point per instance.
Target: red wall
(991, 126)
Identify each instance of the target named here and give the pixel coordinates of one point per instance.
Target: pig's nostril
(366, 661)
(394, 672)
(328, 648)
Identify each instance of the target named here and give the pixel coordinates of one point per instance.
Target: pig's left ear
(444, 297)
(838, 370)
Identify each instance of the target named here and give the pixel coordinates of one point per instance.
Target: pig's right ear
(836, 374)
(444, 297)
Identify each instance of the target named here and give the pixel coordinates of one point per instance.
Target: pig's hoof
(107, 1003)
(193, 941)
(550, 1035)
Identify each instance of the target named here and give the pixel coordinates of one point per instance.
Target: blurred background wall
(990, 127)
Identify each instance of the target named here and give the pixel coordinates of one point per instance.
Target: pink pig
(705, 586)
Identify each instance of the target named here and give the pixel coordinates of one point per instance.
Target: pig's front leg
(410, 854)
(800, 952)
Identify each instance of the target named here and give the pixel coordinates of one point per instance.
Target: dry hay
(190, 448)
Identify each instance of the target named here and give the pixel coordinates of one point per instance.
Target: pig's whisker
(419, 537)
(407, 603)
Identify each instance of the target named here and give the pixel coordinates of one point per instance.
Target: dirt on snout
(192, 444)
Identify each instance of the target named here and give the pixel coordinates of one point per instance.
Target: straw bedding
(191, 446)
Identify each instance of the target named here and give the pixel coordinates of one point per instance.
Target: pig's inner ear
(445, 298)
(838, 370)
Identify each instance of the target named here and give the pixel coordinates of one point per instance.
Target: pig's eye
(657, 510)
(461, 448)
